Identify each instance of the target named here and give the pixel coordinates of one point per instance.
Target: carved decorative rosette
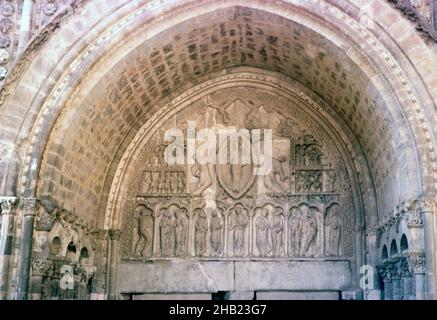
(8, 17)
(303, 208)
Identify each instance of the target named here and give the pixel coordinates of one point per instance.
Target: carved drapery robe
(237, 224)
(167, 236)
(262, 235)
(277, 231)
(201, 229)
(181, 236)
(216, 228)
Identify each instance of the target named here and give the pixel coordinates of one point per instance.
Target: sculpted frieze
(301, 207)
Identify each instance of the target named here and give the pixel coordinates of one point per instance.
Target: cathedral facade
(206, 149)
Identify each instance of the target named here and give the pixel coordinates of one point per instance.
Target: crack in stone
(208, 279)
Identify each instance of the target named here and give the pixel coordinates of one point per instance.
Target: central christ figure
(238, 223)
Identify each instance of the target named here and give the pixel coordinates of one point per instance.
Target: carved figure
(262, 232)
(295, 232)
(277, 180)
(309, 233)
(145, 229)
(201, 232)
(167, 230)
(216, 228)
(333, 224)
(277, 232)
(202, 179)
(181, 232)
(238, 222)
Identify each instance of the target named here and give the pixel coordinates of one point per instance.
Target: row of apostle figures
(310, 233)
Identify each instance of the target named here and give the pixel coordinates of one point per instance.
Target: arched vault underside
(79, 125)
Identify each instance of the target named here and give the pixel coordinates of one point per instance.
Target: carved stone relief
(238, 230)
(143, 245)
(63, 253)
(302, 208)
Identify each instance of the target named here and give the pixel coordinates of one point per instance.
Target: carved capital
(114, 234)
(404, 268)
(417, 261)
(394, 269)
(426, 206)
(8, 205)
(383, 272)
(28, 205)
(40, 266)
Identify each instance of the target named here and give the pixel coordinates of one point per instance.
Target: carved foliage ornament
(426, 205)
(417, 261)
(40, 266)
(28, 205)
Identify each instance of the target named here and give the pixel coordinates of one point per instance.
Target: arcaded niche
(210, 149)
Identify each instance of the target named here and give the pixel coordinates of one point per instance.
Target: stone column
(427, 210)
(28, 206)
(374, 291)
(359, 259)
(406, 280)
(7, 216)
(115, 236)
(99, 285)
(417, 262)
(396, 279)
(41, 248)
(384, 272)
